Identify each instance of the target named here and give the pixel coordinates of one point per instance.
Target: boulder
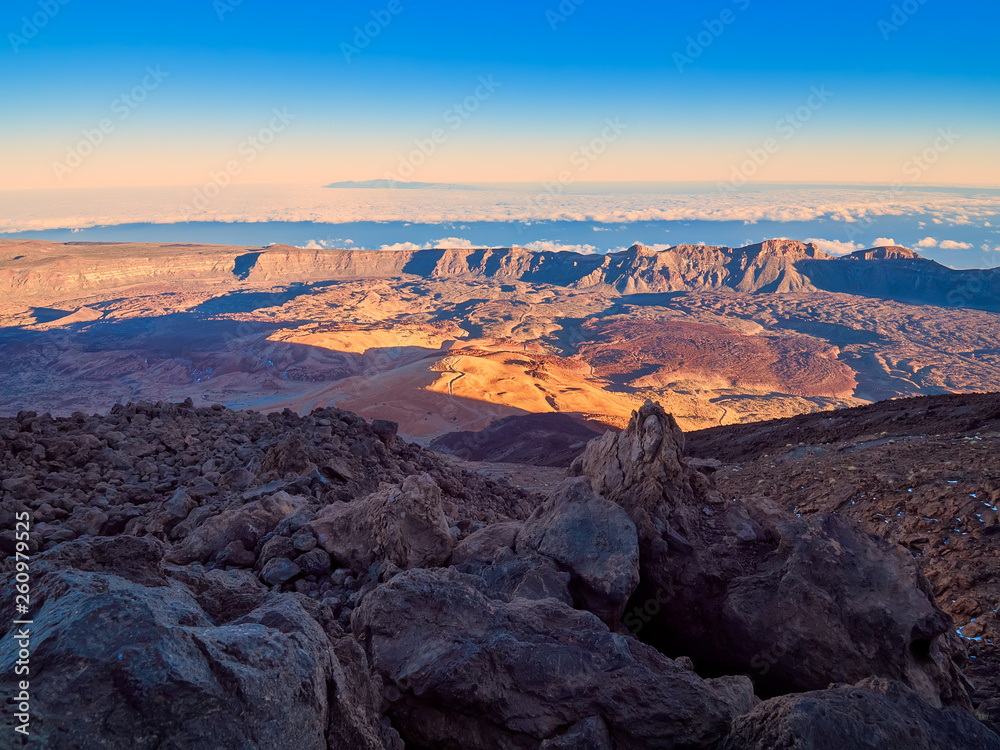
(593, 540)
(872, 715)
(464, 670)
(279, 570)
(483, 545)
(245, 523)
(385, 430)
(134, 661)
(403, 524)
(314, 562)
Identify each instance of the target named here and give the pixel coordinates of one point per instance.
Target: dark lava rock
(593, 540)
(314, 562)
(464, 670)
(872, 715)
(279, 570)
(154, 525)
(795, 603)
(119, 663)
(385, 430)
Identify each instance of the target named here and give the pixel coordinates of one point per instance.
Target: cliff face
(770, 266)
(774, 266)
(45, 268)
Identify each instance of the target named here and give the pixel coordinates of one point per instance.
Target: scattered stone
(278, 571)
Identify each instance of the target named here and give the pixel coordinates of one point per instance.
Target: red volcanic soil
(655, 352)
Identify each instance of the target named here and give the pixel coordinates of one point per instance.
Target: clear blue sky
(893, 87)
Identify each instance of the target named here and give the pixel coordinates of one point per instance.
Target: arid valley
(446, 340)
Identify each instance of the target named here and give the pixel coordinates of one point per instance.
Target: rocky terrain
(453, 339)
(202, 577)
(921, 473)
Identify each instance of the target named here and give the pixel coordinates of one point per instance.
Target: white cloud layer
(546, 246)
(885, 242)
(835, 247)
(927, 242)
(450, 242)
(37, 210)
(952, 245)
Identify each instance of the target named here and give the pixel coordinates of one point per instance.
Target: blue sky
(359, 114)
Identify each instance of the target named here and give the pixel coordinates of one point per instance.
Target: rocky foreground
(203, 578)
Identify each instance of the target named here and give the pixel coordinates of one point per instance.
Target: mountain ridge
(772, 266)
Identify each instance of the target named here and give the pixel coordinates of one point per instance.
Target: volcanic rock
(748, 587)
(874, 714)
(593, 540)
(404, 524)
(247, 524)
(464, 670)
(149, 666)
(279, 570)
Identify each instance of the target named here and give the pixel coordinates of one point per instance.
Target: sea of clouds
(936, 221)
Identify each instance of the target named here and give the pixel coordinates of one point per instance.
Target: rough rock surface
(467, 671)
(795, 603)
(209, 578)
(124, 655)
(593, 540)
(922, 473)
(404, 525)
(872, 715)
(178, 592)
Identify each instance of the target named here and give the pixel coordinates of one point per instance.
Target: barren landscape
(452, 339)
(211, 578)
(499, 376)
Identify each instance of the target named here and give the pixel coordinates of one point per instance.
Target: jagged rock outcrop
(747, 587)
(776, 265)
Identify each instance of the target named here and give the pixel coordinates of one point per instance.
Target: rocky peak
(785, 248)
(886, 252)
